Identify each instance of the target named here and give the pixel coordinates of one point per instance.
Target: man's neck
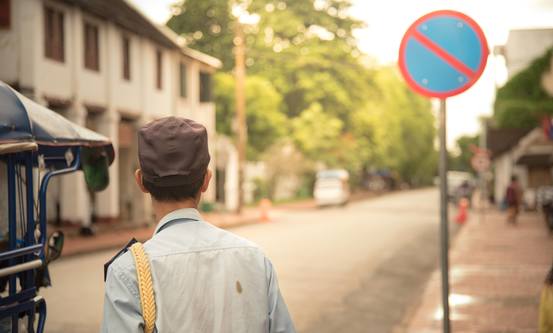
(162, 208)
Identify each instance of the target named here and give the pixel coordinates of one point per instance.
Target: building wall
(99, 99)
(9, 49)
(503, 170)
(504, 167)
(525, 45)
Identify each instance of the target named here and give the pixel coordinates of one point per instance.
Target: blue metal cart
(36, 144)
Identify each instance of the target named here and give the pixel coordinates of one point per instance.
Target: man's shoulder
(229, 239)
(121, 264)
(198, 237)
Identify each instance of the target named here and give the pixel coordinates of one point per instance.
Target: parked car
(332, 187)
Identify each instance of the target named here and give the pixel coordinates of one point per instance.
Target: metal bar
(20, 296)
(12, 227)
(20, 267)
(444, 223)
(31, 320)
(41, 306)
(15, 309)
(42, 194)
(19, 252)
(29, 236)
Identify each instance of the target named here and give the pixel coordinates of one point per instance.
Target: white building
(528, 154)
(523, 46)
(103, 64)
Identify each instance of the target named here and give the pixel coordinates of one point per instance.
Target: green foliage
(317, 133)
(522, 101)
(399, 130)
(306, 81)
(266, 123)
(207, 26)
(461, 161)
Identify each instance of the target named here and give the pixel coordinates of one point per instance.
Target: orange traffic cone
(264, 206)
(462, 213)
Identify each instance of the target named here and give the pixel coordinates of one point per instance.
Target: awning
(24, 121)
(536, 160)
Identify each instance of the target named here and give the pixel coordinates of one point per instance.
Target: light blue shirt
(205, 280)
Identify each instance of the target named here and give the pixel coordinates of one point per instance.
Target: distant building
(523, 46)
(103, 65)
(528, 153)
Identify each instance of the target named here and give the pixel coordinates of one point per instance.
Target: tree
(266, 124)
(399, 126)
(206, 25)
(461, 161)
(306, 79)
(304, 48)
(317, 134)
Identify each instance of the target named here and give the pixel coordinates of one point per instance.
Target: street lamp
(242, 18)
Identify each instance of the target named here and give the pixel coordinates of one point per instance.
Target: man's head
(173, 156)
(514, 178)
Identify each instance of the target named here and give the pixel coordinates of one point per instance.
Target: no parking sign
(442, 54)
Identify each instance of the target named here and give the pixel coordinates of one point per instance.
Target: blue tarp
(22, 120)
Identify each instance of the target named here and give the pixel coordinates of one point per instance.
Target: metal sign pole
(444, 224)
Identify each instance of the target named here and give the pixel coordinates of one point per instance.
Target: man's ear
(207, 178)
(138, 179)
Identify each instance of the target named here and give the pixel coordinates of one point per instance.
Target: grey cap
(173, 151)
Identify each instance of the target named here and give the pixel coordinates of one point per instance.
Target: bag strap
(145, 286)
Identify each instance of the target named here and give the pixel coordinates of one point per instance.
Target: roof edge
(195, 54)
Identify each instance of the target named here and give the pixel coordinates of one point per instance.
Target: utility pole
(241, 126)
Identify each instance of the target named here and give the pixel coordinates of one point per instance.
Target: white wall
(128, 98)
(525, 45)
(23, 60)
(53, 78)
(9, 45)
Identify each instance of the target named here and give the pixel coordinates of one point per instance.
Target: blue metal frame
(42, 194)
(28, 248)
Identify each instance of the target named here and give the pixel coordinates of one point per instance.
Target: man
(513, 197)
(205, 279)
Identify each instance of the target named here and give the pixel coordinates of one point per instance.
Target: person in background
(546, 305)
(513, 198)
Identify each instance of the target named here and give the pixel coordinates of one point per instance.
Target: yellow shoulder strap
(145, 286)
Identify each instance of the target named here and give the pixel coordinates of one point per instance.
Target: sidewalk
(497, 271)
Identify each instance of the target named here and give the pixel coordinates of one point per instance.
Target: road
(352, 269)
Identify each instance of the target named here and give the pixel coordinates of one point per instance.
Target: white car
(332, 187)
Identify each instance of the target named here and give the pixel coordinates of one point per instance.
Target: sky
(387, 20)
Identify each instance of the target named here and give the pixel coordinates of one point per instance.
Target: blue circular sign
(443, 54)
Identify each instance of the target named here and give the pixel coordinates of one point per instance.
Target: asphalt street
(358, 268)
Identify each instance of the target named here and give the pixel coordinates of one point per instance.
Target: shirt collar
(183, 213)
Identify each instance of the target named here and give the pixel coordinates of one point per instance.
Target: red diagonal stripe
(444, 55)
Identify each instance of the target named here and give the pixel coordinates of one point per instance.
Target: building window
(183, 85)
(5, 14)
(126, 58)
(53, 34)
(159, 70)
(205, 87)
(91, 47)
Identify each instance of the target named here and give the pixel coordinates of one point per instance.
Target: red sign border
(408, 34)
